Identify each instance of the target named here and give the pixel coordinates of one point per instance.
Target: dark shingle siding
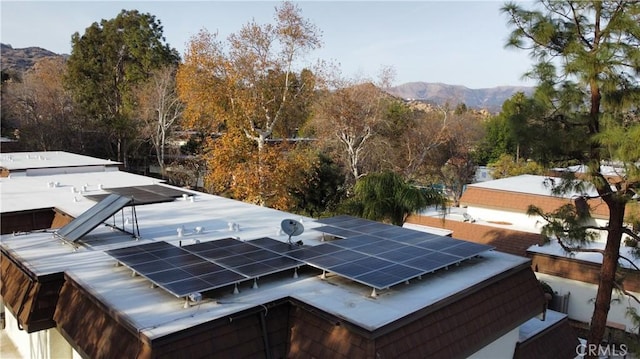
(559, 341)
(465, 326)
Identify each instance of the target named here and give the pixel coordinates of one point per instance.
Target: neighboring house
(494, 213)
(505, 202)
(108, 282)
(14, 164)
(36, 212)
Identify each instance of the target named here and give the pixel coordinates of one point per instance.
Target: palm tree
(386, 196)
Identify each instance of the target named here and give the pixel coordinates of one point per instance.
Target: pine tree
(588, 64)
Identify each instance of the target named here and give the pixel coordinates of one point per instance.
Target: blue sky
(453, 42)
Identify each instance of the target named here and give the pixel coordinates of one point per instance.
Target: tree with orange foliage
(237, 169)
(42, 109)
(244, 89)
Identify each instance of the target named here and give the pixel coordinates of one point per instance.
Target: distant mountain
(490, 99)
(21, 60)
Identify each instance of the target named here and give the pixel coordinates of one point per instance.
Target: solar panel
(377, 248)
(326, 261)
(438, 243)
(142, 194)
(465, 249)
(350, 270)
(164, 191)
(271, 244)
(378, 279)
(203, 266)
(335, 220)
(380, 256)
(249, 258)
(93, 217)
(174, 269)
(336, 232)
(371, 228)
(424, 264)
(357, 241)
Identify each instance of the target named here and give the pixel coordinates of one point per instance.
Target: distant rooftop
(528, 184)
(553, 248)
(63, 191)
(34, 162)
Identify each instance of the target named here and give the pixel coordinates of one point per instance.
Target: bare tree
(418, 151)
(347, 120)
(462, 135)
(159, 109)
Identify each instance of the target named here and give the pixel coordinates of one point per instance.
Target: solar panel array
(92, 217)
(372, 253)
(201, 267)
(381, 255)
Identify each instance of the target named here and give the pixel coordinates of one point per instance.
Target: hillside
(491, 99)
(438, 93)
(20, 60)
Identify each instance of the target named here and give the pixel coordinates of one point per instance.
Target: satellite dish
(292, 228)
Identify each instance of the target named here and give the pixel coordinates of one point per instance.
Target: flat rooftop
(528, 184)
(553, 248)
(63, 191)
(156, 312)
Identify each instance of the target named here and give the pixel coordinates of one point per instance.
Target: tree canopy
(105, 65)
(588, 65)
(246, 90)
(386, 196)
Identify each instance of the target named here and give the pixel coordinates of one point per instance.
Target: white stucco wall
(581, 301)
(503, 347)
(519, 221)
(45, 344)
